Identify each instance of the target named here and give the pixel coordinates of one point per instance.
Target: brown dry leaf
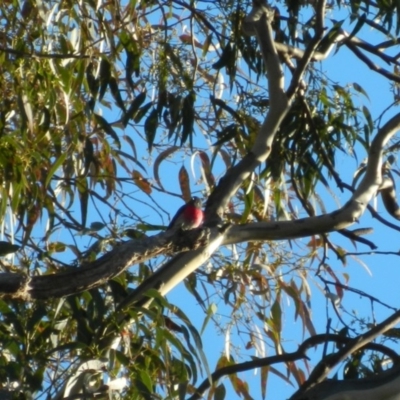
(206, 169)
(141, 182)
(184, 184)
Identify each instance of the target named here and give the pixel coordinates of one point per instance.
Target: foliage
(107, 109)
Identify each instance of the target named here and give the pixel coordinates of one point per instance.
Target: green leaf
(7, 248)
(104, 76)
(227, 134)
(142, 112)
(116, 93)
(97, 226)
(92, 82)
(88, 152)
(132, 65)
(83, 197)
(276, 315)
(224, 106)
(133, 108)
(359, 25)
(175, 113)
(146, 380)
(187, 117)
(225, 58)
(220, 392)
(359, 89)
(55, 167)
(57, 247)
(150, 128)
(107, 128)
(368, 117)
(206, 45)
(211, 310)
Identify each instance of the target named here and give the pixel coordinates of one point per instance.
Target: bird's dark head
(196, 202)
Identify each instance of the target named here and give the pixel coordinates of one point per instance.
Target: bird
(189, 216)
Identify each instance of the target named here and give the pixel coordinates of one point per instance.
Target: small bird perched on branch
(189, 216)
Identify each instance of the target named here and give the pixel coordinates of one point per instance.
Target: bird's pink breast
(193, 216)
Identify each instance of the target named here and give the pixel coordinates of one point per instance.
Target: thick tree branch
(98, 272)
(384, 384)
(288, 357)
(123, 256)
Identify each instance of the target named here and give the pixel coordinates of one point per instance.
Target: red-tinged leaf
(339, 290)
(297, 373)
(264, 379)
(307, 321)
(249, 345)
(141, 182)
(189, 39)
(315, 242)
(150, 128)
(161, 157)
(206, 169)
(280, 375)
(184, 184)
(240, 387)
(226, 158)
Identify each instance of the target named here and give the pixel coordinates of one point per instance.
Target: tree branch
(258, 23)
(310, 388)
(98, 272)
(288, 357)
